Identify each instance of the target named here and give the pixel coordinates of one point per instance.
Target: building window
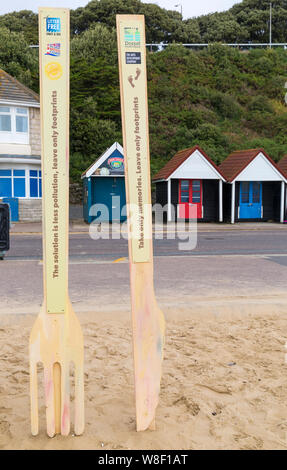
(20, 183)
(5, 119)
(12, 183)
(35, 183)
(21, 120)
(14, 125)
(5, 183)
(196, 191)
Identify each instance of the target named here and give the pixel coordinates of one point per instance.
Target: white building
(20, 149)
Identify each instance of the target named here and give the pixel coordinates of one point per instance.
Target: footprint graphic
(130, 79)
(138, 72)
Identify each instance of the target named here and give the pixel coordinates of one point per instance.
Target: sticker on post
(132, 37)
(53, 49)
(53, 25)
(133, 58)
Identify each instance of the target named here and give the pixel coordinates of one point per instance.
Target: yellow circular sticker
(53, 70)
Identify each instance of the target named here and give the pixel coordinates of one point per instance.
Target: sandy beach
(224, 380)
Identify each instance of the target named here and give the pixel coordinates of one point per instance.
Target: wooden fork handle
(148, 323)
(54, 98)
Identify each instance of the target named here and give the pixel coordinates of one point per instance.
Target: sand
(224, 382)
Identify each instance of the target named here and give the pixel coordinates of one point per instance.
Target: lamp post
(177, 6)
(270, 28)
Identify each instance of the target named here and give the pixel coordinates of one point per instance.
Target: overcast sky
(190, 7)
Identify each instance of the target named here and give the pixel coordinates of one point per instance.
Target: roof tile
(178, 159)
(237, 161)
(283, 165)
(12, 90)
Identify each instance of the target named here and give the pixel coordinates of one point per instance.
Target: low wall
(30, 210)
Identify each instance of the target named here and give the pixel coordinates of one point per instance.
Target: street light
(179, 5)
(270, 29)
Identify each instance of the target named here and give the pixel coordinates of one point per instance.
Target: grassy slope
(219, 98)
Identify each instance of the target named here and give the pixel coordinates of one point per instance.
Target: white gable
(102, 159)
(260, 169)
(196, 167)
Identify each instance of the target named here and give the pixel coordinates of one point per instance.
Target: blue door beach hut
(255, 187)
(190, 186)
(104, 187)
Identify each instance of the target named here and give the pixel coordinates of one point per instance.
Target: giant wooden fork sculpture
(56, 339)
(148, 320)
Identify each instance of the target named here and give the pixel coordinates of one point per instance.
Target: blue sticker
(53, 25)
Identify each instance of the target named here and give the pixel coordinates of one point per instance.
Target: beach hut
(190, 185)
(255, 187)
(104, 187)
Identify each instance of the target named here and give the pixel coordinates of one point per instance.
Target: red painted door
(190, 199)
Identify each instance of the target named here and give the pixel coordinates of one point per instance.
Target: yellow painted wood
(54, 87)
(56, 339)
(147, 318)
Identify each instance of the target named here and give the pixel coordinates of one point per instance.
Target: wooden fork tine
(65, 400)
(79, 399)
(34, 398)
(49, 399)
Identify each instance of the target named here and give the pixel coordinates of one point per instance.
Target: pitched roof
(106, 154)
(237, 161)
(283, 165)
(179, 158)
(11, 90)
(92, 165)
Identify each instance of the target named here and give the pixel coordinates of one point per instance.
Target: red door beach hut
(190, 186)
(255, 187)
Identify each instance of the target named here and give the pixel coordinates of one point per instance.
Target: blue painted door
(250, 200)
(110, 192)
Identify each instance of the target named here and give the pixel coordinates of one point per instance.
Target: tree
(217, 97)
(221, 27)
(254, 15)
(186, 31)
(95, 110)
(17, 59)
(90, 136)
(24, 21)
(98, 41)
(160, 23)
(99, 80)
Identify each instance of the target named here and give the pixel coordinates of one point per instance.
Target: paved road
(225, 265)
(223, 242)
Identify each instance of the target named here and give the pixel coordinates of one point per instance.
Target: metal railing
(247, 45)
(195, 45)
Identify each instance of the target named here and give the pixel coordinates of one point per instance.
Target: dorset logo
(53, 70)
(53, 25)
(132, 37)
(54, 49)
